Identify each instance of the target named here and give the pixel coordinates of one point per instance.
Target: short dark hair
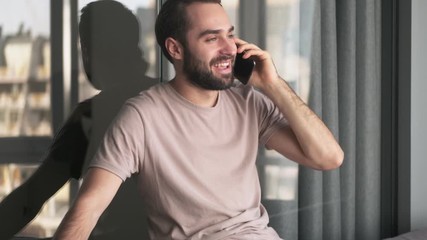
(172, 21)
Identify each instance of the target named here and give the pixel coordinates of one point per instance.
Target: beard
(201, 75)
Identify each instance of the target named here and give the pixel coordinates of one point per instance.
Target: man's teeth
(222, 64)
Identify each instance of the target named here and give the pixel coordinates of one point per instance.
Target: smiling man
(221, 76)
(193, 141)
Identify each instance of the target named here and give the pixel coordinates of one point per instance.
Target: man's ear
(174, 48)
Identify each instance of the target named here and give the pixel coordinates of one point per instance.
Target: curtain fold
(367, 122)
(346, 48)
(345, 92)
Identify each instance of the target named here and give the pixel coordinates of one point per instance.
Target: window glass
(25, 105)
(286, 33)
(286, 42)
(25, 68)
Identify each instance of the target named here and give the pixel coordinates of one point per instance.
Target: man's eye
(211, 39)
(231, 36)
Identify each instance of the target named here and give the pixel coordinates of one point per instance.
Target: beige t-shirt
(196, 166)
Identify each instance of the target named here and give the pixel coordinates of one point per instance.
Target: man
(193, 141)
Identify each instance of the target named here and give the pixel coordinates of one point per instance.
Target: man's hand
(265, 73)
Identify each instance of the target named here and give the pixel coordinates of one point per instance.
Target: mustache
(222, 58)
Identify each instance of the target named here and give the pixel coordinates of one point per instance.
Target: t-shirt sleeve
(121, 151)
(270, 119)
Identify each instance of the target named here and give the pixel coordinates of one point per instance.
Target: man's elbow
(330, 160)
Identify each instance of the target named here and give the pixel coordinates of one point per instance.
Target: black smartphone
(243, 68)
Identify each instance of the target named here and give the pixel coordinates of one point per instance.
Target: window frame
(396, 117)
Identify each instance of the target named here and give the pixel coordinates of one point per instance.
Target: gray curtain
(345, 92)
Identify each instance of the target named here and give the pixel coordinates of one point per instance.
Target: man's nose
(228, 47)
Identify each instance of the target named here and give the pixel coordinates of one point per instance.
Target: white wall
(419, 116)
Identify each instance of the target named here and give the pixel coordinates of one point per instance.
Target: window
(25, 69)
(283, 40)
(25, 90)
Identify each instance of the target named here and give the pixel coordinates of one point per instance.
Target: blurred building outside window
(287, 40)
(25, 88)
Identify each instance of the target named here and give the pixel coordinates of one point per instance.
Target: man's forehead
(204, 17)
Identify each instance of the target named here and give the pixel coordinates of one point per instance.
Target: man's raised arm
(306, 140)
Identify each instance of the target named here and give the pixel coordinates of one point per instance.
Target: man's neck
(195, 94)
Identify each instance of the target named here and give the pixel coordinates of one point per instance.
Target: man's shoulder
(149, 98)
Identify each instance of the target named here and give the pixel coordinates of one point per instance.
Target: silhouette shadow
(114, 64)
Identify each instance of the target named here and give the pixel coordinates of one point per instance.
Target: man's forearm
(314, 138)
(95, 194)
(77, 223)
